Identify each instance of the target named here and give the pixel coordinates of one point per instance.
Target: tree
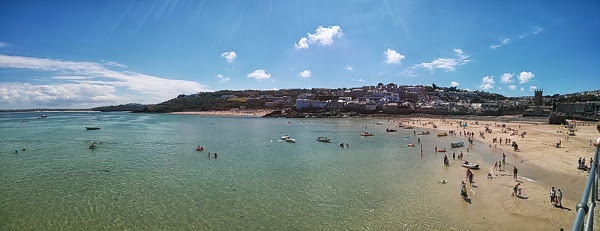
(434, 86)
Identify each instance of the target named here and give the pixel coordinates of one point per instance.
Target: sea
(145, 174)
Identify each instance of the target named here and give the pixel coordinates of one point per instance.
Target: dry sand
(544, 165)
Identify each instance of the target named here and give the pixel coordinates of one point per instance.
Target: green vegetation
(122, 107)
(207, 101)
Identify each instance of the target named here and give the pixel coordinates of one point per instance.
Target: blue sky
(74, 54)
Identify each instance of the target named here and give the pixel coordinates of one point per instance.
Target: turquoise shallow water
(147, 176)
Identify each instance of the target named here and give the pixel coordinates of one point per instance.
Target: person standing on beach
(552, 195)
(559, 198)
(515, 173)
(503, 158)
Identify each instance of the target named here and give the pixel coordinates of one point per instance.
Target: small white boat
(423, 133)
(470, 165)
(324, 139)
(290, 140)
(285, 137)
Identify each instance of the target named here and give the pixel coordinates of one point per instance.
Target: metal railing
(583, 208)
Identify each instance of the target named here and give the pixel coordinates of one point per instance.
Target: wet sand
(540, 166)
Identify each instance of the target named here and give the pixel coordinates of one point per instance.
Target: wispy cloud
(115, 64)
(222, 78)
(349, 68)
(323, 36)
(229, 56)
(361, 80)
(487, 83)
(392, 56)
(448, 64)
(532, 88)
(259, 74)
(305, 74)
(535, 31)
(3, 44)
(512, 87)
(91, 75)
(503, 42)
(525, 76)
(407, 73)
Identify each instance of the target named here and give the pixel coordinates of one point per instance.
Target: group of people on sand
(556, 198)
(582, 166)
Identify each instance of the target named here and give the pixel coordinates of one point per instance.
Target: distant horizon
(87, 54)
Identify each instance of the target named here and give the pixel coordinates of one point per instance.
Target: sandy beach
(248, 113)
(541, 165)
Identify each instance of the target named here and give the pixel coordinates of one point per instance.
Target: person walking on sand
(515, 170)
(559, 198)
(504, 158)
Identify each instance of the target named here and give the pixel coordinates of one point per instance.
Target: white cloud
(26, 95)
(503, 42)
(506, 78)
(322, 36)
(522, 89)
(115, 64)
(90, 75)
(448, 64)
(532, 88)
(302, 44)
(3, 44)
(305, 74)
(259, 74)
(454, 84)
(525, 76)
(392, 56)
(512, 87)
(361, 80)
(349, 68)
(229, 56)
(380, 73)
(487, 83)
(222, 78)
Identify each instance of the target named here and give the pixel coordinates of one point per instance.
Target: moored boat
(410, 145)
(92, 128)
(324, 139)
(290, 140)
(466, 164)
(423, 133)
(390, 130)
(442, 134)
(366, 134)
(409, 127)
(285, 137)
(457, 144)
